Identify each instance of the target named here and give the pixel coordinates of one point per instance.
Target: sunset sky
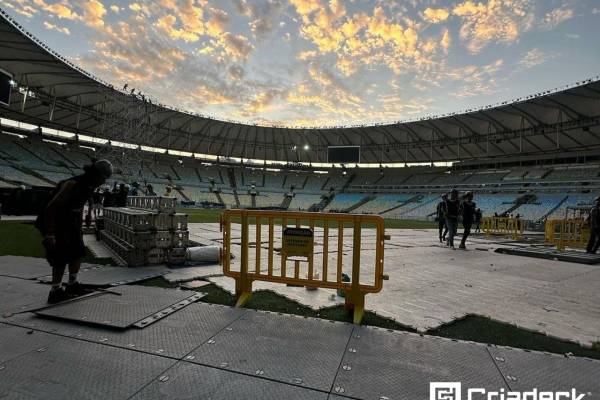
(323, 62)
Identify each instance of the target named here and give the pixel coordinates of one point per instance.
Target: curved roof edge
(67, 97)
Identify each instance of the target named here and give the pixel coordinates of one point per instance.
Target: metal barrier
(565, 233)
(503, 226)
(298, 244)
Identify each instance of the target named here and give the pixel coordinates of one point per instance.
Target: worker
(594, 222)
(452, 211)
(478, 219)
(441, 218)
(468, 208)
(60, 223)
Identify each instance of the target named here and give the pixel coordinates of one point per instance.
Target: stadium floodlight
(294, 148)
(306, 147)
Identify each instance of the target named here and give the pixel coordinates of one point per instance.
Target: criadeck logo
(453, 391)
(444, 391)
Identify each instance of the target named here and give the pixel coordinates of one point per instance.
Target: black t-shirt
(452, 208)
(468, 211)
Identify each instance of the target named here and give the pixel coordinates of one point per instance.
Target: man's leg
(597, 244)
(74, 270)
(591, 242)
(57, 293)
(74, 288)
(440, 228)
(466, 233)
(451, 231)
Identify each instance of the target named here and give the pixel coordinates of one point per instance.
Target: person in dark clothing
(150, 190)
(478, 219)
(441, 218)
(122, 196)
(468, 208)
(452, 211)
(594, 241)
(61, 226)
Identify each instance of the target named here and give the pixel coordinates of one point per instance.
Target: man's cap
(453, 191)
(102, 168)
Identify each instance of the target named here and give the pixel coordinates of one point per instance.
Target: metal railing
(512, 227)
(317, 276)
(565, 233)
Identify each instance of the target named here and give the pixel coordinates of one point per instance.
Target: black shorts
(68, 248)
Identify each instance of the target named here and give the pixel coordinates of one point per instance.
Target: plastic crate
(157, 203)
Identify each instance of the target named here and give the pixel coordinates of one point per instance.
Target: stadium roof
(67, 98)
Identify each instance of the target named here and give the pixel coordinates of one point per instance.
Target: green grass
(23, 239)
(197, 215)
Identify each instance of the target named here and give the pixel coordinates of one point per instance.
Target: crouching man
(61, 226)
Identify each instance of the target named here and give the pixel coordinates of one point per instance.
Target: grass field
(22, 239)
(19, 238)
(196, 215)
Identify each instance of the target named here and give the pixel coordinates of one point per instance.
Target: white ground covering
(431, 285)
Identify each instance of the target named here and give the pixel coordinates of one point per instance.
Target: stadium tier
(401, 193)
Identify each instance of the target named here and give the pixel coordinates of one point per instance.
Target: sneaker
(57, 295)
(76, 289)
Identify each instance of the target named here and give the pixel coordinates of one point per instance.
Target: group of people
(450, 210)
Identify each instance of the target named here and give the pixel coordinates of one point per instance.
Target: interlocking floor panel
(390, 364)
(173, 336)
(23, 267)
(15, 341)
(74, 369)
(289, 349)
(190, 381)
(105, 276)
(18, 295)
(552, 254)
(134, 304)
(547, 372)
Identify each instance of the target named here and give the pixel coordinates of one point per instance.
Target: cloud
(556, 17)
(435, 15)
(492, 22)
(60, 10)
(535, 57)
(93, 13)
(238, 47)
(474, 80)
(263, 15)
(22, 7)
(61, 29)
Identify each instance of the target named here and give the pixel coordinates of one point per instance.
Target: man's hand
(49, 242)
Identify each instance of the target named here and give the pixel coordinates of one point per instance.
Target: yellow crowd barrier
(297, 245)
(503, 226)
(565, 233)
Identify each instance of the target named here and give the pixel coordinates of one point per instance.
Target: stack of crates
(147, 231)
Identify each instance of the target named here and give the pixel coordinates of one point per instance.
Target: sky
(317, 63)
